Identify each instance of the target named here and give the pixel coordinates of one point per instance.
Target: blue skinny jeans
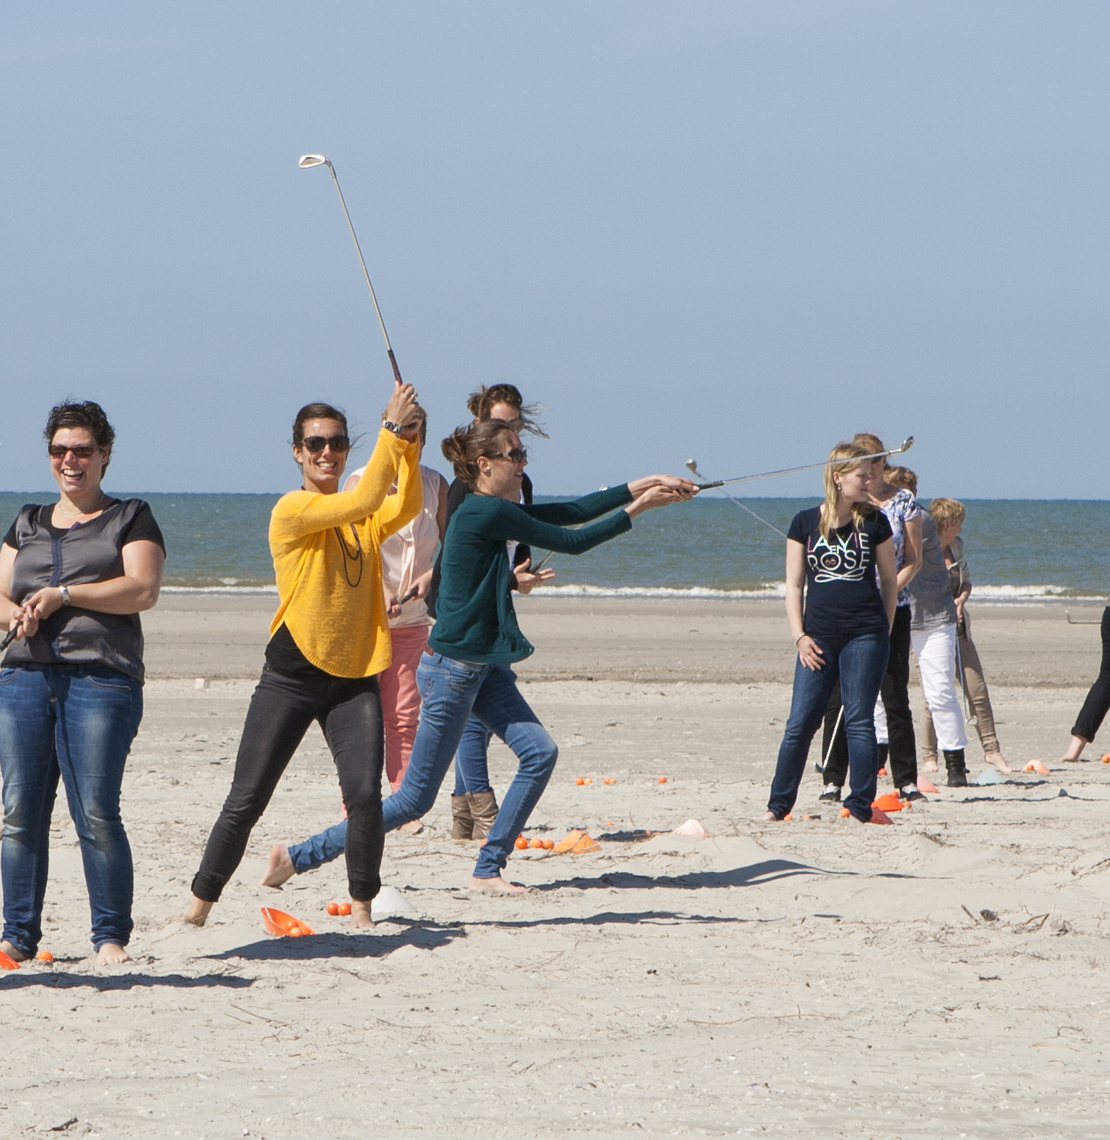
(78, 723)
(860, 663)
(452, 693)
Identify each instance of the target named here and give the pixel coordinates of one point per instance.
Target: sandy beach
(944, 977)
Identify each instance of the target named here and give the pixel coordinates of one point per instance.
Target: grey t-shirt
(931, 589)
(88, 552)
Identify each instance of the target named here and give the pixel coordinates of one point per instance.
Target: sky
(732, 231)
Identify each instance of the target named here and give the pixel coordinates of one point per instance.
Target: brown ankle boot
(483, 810)
(462, 822)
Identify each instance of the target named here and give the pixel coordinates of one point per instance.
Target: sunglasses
(317, 443)
(515, 455)
(81, 450)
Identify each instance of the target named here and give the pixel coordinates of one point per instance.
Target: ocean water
(1018, 549)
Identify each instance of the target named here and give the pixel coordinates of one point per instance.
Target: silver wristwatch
(65, 598)
(389, 425)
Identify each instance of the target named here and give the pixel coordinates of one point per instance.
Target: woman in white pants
(933, 634)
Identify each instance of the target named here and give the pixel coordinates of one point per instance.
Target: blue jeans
(78, 723)
(472, 759)
(860, 663)
(450, 692)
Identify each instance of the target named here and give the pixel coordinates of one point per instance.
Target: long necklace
(349, 557)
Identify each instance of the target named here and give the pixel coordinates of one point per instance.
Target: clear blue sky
(738, 231)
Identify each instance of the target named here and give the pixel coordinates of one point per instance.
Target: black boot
(954, 762)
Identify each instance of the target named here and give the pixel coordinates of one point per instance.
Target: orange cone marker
(926, 786)
(282, 924)
(888, 802)
(1036, 766)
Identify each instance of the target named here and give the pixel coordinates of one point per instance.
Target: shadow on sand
(769, 871)
(424, 935)
(62, 980)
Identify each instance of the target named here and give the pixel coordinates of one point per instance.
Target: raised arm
(400, 509)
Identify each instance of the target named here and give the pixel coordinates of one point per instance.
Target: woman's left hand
(42, 603)
(526, 581)
(683, 488)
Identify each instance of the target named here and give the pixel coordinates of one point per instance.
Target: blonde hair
(902, 477)
(947, 512)
(870, 442)
(843, 458)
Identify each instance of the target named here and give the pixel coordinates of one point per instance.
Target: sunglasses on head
(317, 443)
(81, 450)
(514, 455)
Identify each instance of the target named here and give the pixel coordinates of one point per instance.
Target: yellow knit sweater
(342, 628)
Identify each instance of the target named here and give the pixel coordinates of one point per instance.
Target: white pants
(936, 658)
(881, 734)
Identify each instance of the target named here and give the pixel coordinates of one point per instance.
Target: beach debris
(332, 908)
(988, 776)
(576, 843)
(926, 786)
(989, 915)
(1036, 766)
(278, 922)
(692, 829)
(7, 963)
(200, 682)
(662, 779)
(888, 802)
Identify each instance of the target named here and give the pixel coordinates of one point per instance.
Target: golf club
(307, 161)
(832, 740)
(409, 596)
(10, 636)
(807, 467)
(692, 467)
(971, 719)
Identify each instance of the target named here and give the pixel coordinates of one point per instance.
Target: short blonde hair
(947, 512)
(902, 477)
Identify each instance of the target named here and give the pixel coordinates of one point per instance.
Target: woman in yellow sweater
(328, 641)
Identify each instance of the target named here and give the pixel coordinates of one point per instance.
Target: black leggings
(350, 713)
(895, 693)
(1097, 704)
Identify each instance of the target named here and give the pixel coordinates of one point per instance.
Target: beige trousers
(977, 696)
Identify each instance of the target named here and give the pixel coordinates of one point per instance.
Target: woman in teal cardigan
(476, 637)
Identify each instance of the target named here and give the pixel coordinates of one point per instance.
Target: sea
(1019, 550)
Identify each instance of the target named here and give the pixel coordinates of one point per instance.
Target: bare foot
(769, 817)
(930, 766)
(112, 954)
(360, 916)
(198, 912)
(413, 827)
(496, 886)
(15, 955)
(996, 759)
(279, 867)
(1075, 750)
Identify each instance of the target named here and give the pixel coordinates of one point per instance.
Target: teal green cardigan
(475, 619)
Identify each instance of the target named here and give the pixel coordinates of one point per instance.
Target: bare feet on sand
(112, 954)
(12, 952)
(996, 759)
(769, 817)
(413, 827)
(360, 916)
(279, 868)
(197, 913)
(1075, 750)
(496, 886)
(930, 766)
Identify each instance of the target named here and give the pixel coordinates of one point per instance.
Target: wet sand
(943, 977)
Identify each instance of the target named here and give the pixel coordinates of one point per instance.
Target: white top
(412, 552)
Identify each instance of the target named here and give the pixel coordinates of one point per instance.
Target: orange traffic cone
(888, 802)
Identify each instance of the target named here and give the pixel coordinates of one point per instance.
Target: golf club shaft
(10, 636)
(832, 739)
(807, 467)
(963, 680)
(366, 274)
(742, 506)
(409, 596)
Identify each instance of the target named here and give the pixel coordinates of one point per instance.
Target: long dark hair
(316, 412)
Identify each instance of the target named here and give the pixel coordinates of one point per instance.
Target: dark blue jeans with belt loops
(77, 723)
(860, 663)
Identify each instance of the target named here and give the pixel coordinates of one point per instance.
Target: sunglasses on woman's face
(317, 443)
(81, 450)
(514, 455)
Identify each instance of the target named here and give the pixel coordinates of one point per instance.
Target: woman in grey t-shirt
(73, 577)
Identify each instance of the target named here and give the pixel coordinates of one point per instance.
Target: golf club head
(906, 445)
(691, 466)
(308, 160)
